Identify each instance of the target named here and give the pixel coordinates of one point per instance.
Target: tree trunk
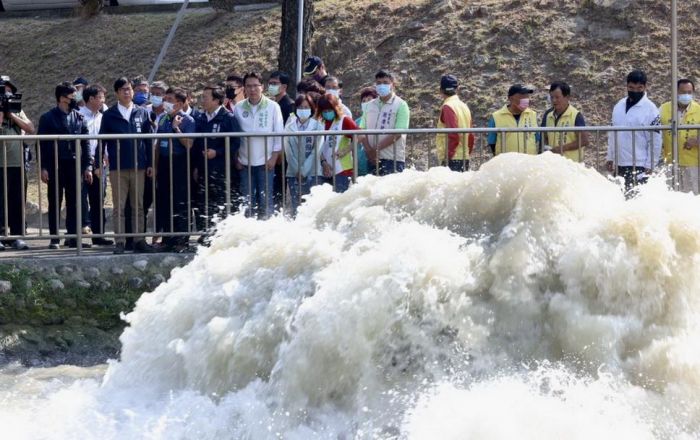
(288, 38)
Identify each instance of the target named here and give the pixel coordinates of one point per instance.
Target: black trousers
(92, 208)
(277, 187)
(60, 185)
(211, 203)
(178, 209)
(458, 165)
(15, 200)
(633, 176)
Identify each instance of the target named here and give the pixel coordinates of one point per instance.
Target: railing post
(78, 194)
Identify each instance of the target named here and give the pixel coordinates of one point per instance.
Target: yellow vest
(516, 142)
(686, 158)
(556, 139)
(464, 120)
(337, 143)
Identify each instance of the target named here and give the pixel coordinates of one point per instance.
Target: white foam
(527, 299)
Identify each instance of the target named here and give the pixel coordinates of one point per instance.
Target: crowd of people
(191, 181)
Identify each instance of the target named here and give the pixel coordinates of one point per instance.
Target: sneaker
(102, 242)
(119, 248)
(19, 245)
(55, 244)
(142, 247)
(86, 230)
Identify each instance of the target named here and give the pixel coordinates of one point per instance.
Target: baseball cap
(448, 83)
(519, 88)
(312, 64)
(80, 81)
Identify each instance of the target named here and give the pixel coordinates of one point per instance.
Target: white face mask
(273, 89)
(157, 101)
(685, 99)
(169, 107)
(304, 113)
(334, 92)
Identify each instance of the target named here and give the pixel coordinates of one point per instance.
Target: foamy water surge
(527, 300)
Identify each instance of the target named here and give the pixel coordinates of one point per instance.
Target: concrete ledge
(67, 310)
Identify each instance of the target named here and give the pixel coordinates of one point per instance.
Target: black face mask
(635, 97)
(73, 104)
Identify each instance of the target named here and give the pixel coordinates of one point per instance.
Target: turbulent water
(526, 300)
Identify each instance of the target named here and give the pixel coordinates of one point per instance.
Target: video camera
(11, 103)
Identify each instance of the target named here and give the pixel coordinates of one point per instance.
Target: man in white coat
(634, 154)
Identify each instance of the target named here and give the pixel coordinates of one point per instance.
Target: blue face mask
(383, 89)
(157, 101)
(140, 98)
(304, 113)
(328, 115)
(685, 99)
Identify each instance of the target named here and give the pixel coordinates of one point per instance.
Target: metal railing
(203, 192)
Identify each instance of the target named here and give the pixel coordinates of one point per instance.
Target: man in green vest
(453, 148)
(516, 114)
(562, 114)
(688, 153)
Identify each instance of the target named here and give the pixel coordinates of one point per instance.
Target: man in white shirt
(258, 155)
(94, 193)
(634, 154)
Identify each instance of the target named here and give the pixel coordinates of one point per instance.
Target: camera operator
(13, 122)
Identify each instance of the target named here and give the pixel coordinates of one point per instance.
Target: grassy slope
(482, 42)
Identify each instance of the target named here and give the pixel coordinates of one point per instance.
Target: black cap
(80, 81)
(519, 88)
(448, 83)
(5, 81)
(312, 64)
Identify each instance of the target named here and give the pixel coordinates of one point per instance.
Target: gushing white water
(526, 300)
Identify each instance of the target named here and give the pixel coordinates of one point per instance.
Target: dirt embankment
(488, 44)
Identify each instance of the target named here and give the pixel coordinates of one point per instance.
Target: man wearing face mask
(335, 88)
(688, 113)
(634, 154)
(141, 92)
(277, 90)
(314, 68)
(172, 172)
(386, 153)
(80, 83)
(58, 160)
(516, 114)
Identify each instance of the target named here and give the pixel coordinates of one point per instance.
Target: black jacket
(55, 121)
(223, 122)
(114, 123)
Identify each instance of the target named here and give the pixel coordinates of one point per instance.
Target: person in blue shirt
(172, 191)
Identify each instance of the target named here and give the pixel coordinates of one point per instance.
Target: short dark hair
(685, 81)
(64, 89)
(92, 90)
(309, 84)
(255, 75)
(179, 94)
(282, 76)
(303, 97)
(637, 77)
(230, 92)
(121, 82)
(329, 102)
(384, 74)
(368, 91)
(234, 77)
(561, 85)
(159, 85)
(217, 92)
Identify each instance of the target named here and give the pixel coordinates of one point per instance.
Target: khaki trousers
(127, 183)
